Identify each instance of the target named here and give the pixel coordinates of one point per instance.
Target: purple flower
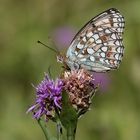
(63, 36)
(48, 98)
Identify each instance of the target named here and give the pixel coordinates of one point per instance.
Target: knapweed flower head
(80, 88)
(48, 98)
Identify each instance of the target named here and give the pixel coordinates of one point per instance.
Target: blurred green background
(115, 113)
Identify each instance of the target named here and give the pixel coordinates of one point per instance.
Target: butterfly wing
(98, 45)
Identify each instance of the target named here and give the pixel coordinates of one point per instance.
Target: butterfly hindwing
(98, 45)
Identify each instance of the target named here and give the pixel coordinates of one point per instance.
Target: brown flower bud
(80, 88)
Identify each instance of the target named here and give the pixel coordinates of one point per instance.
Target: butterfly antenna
(47, 46)
(53, 42)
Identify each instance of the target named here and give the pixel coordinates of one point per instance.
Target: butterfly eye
(60, 58)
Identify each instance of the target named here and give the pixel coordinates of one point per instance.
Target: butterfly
(98, 45)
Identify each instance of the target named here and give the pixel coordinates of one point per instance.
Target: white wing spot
(107, 31)
(98, 23)
(89, 34)
(115, 24)
(113, 36)
(120, 57)
(98, 41)
(115, 62)
(112, 11)
(119, 30)
(92, 58)
(105, 43)
(101, 60)
(91, 40)
(80, 55)
(79, 46)
(100, 29)
(90, 50)
(102, 54)
(119, 19)
(120, 24)
(104, 49)
(76, 52)
(114, 15)
(117, 43)
(122, 50)
(119, 49)
(96, 36)
(115, 19)
(105, 20)
(107, 61)
(84, 39)
(83, 59)
(117, 56)
(121, 44)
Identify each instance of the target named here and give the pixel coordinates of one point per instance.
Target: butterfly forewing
(98, 45)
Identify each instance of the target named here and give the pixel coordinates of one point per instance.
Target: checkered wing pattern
(98, 45)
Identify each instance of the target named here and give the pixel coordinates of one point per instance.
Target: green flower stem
(59, 130)
(44, 129)
(68, 117)
(71, 133)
